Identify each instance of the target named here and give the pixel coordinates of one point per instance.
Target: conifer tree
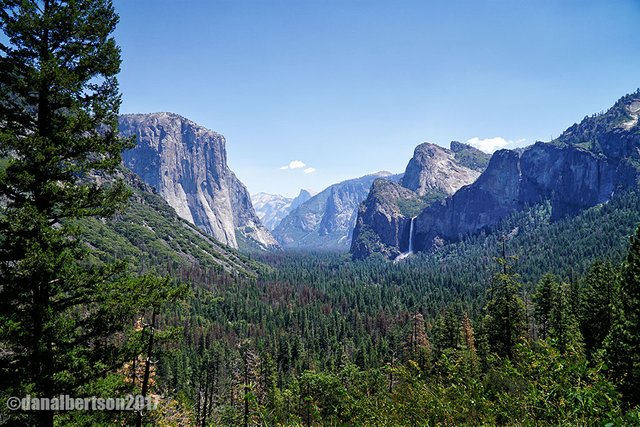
(504, 318)
(543, 298)
(599, 294)
(418, 346)
(563, 322)
(59, 103)
(623, 342)
(445, 332)
(468, 334)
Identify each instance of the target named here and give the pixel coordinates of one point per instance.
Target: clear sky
(350, 87)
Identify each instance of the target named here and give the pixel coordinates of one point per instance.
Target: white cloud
(294, 164)
(298, 164)
(489, 145)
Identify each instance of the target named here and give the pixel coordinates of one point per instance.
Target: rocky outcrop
(432, 174)
(434, 169)
(384, 219)
(326, 221)
(187, 164)
(582, 168)
(272, 208)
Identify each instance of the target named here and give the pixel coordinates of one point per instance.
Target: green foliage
(556, 318)
(469, 156)
(65, 318)
(310, 340)
(623, 342)
(600, 293)
(543, 298)
(411, 207)
(149, 234)
(321, 313)
(504, 318)
(542, 386)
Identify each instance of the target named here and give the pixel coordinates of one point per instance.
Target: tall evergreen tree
(543, 299)
(563, 321)
(59, 102)
(623, 342)
(418, 346)
(600, 288)
(504, 319)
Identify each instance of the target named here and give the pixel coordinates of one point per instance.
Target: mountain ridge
(272, 208)
(584, 167)
(384, 218)
(325, 221)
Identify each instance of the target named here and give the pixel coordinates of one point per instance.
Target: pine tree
(599, 294)
(554, 313)
(467, 334)
(563, 321)
(504, 319)
(623, 342)
(59, 102)
(418, 346)
(543, 299)
(445, 332)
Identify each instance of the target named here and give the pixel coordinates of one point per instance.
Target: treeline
(561, 354)
(321, 317)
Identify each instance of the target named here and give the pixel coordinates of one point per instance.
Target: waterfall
(411, 236)
(410, 248)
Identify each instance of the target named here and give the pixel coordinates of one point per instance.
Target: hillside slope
(149, 234)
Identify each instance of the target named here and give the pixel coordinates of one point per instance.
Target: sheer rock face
(436, 169)
(381, 226)
(433, 173)
(326, 220)
(580, 169)
(187, 164)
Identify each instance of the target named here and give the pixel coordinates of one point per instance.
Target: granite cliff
(583, 167)
(187, 165)
(433, 173)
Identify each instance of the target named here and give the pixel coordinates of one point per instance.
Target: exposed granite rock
(382, 226)
(432, 174)
(187, 164)
(436, 169)
(580, 169)
(326, 221)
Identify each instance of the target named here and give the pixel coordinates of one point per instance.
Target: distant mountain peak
(272, 208)
(306, 192)
(326, 220)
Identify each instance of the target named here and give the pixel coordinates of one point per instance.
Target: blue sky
(350, 87)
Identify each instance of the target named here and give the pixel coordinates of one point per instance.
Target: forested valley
(105, 291)
(494, 330)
